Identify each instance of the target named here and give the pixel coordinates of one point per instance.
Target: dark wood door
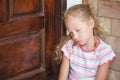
(22, 40)
(55, 31)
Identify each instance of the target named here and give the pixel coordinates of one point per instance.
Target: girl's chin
(82, 44)
(78, 43)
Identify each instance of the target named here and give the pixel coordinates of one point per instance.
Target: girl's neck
(90, 45)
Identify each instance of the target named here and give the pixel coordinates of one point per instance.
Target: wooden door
(22, 40)
(57, 32)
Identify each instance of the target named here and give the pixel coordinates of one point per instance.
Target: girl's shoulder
(104, 48)
(106, 54)
(104, 45)
(67, 48)
(69, 43)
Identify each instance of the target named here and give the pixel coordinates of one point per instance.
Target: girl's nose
(75, 37)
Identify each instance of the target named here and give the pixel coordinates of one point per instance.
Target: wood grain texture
(3, 11)
(22, 40)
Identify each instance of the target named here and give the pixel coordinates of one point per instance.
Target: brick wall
(108, 15)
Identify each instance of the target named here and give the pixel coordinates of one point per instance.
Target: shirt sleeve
(108, 55)
(66, 49)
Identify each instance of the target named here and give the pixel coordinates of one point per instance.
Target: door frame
(55, 30)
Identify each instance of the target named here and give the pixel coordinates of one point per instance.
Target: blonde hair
(84, 13)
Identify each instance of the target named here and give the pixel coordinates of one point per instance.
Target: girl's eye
(77, 30)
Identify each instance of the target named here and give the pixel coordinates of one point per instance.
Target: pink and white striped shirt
(84, 64)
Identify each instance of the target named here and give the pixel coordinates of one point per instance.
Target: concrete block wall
(108, 15)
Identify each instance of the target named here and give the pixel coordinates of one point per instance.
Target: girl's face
(80, 31)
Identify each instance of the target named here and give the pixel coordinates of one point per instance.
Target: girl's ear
(91, 22)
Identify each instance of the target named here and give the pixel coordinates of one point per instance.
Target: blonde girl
(85, 55)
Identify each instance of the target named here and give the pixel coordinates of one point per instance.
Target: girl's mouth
(75, 43)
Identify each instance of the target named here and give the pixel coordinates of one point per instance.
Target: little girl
(85, 55)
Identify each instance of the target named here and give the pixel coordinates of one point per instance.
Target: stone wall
(108, 15)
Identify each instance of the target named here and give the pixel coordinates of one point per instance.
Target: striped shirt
(84, 64)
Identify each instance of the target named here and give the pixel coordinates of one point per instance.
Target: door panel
(22, 40)
(22, 7)
(23, 26)
(3, 11)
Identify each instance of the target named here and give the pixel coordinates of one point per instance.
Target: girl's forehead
(73, 23)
